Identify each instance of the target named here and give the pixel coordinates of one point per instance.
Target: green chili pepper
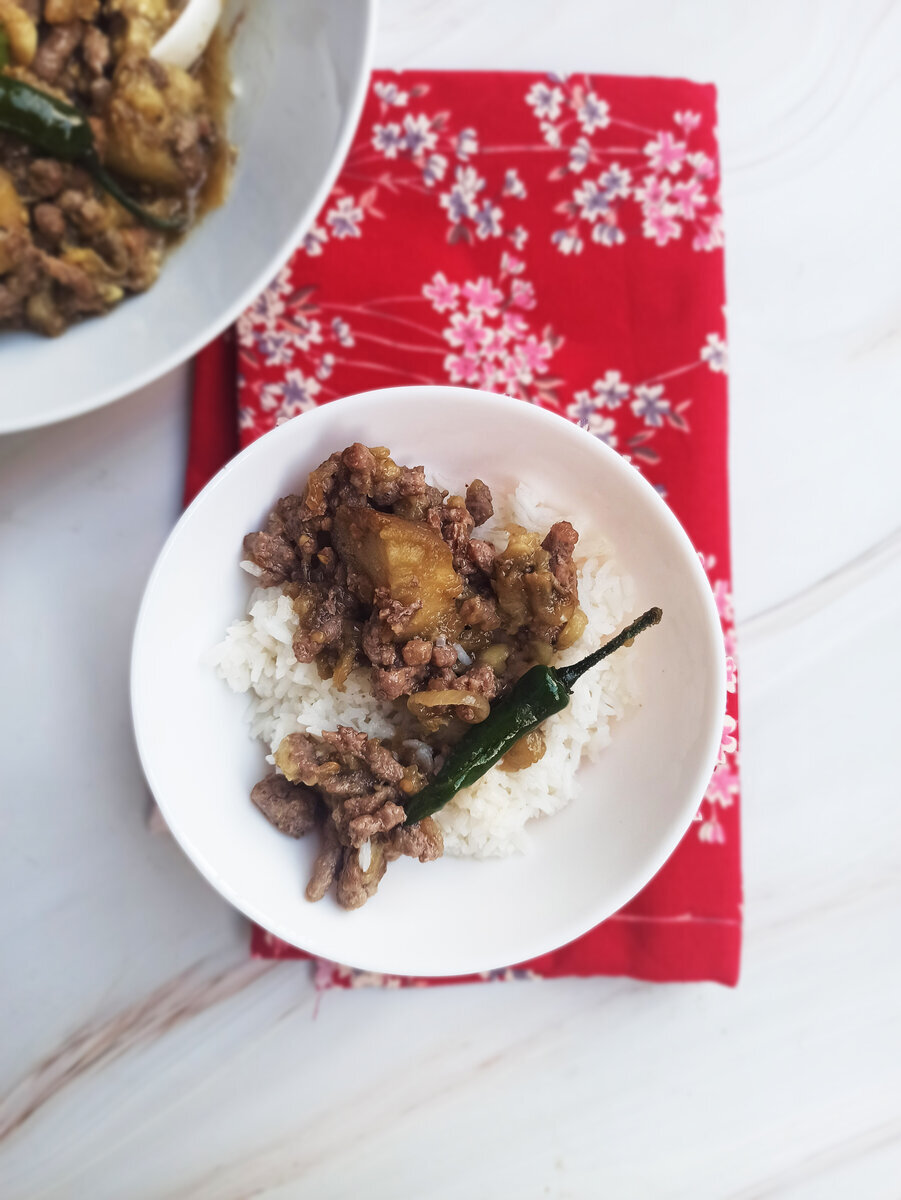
(62, 131)
(540, 693)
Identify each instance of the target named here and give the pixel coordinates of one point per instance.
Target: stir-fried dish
(106, 154)
(384, 572)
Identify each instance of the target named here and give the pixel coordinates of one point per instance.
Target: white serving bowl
(300, 69)
(454, 916)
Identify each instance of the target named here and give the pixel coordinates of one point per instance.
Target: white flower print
(467, 144)
(271, 396)
(307, 333)
(665, 153)
(389, 94)
(345, 218)
(729, 742)
(314, 240)
(715, 354)
(298, 394)
(607, 233)
(610, 391)
(442, 294)
(488, 220)
(567, 241)
(326, 366)
(275, 348)
(433, 171)
(461, 200)
(687, 120)
(267, 308)
(603, 428)
(388, 139)
(519, 237)
(513, 185)
(591, 199)
(341, 332)
(650, 404)
(593, 113)
(510, 265)
(551, 134)
(546, 101)
(419, 137)
(580, 155)
(616, 182)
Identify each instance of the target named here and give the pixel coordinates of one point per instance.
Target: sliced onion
(423, 755)
(420, 703)
(462, 657)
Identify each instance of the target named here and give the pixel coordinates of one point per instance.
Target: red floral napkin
(558, 239)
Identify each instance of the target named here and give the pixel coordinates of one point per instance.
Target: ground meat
(49, 221)
(368, 825)
(305, 759)
(84, 210)
(392, 613)
(417, 652)
(96, 50)
(85, 293)
(423, 840)
(356, 886)
(56, 49)
(274, 554)
(478, 502)
(444, 656)
(455, 524)
(45, 177)
(322, 611)
(560, 544)
(378, 758)
(325, 868)
(481, 554)
(393, 682)
(290, 807)
(480, 612)
(378, 643)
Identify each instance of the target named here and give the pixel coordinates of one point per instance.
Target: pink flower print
(711, 236)
(513, 185)
(466, 330)
(467, 144)
(519, 237)
(731, 674)
(650, 404)
(654, 192)
(713, 832)
(419, 136)
(665, 153)
(388, 139)
(483, 297)
(729, 742)
(341, 331)
(488, 220)
(390, 94)
(610, 391)
(723, 598)
(534, 356)
(522, 294)
(567, 241)
(508, 373)
(441, 292)
(702, 164)
(593, 113)
(687, 120)
(545, 101)
(723, 787)
(462, 368)
(616, 182)
(579, 155)
(592, 200)
(314, 240)
(689, 197)
(659, 224)
(433, 171)
(513, 326)
(345, 218)
(715, 354)
(510, 265)
(494, 345)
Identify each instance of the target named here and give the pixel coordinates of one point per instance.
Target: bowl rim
(187, 349)
(677, 825)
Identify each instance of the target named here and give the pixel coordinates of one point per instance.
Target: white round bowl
(454, 916)
(300, 69)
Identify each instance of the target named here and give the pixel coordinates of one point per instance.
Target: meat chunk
(49, 220)
(560, 544)
(369, 824)
(96, 50)
(478, 502)
(325, 868)
(480, 612)
(356, 884)
(56, 49)
(481, 554)
(45, 177)
(290, 807)
(378, 758)
(393, 682)
(424, 840)
(417, 652)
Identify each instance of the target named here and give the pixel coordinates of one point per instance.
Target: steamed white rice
(489, 818)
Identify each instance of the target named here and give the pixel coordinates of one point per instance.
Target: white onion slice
(187, 37)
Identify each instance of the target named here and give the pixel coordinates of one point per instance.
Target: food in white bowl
(412, 653)
(298, 73)
(628, 806)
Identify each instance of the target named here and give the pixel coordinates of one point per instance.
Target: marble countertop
(143, 1055)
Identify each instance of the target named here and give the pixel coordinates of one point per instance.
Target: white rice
(489, 818)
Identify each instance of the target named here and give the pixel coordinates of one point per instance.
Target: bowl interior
(299, 71)
(454, 916)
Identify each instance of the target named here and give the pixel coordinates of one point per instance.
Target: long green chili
(540, 693)
(62, 131)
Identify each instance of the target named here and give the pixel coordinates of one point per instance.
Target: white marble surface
(141, 1055)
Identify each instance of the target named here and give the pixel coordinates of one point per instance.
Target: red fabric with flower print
(559, 240)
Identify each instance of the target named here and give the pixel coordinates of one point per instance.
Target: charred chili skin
(63, 132)
(540, 693)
